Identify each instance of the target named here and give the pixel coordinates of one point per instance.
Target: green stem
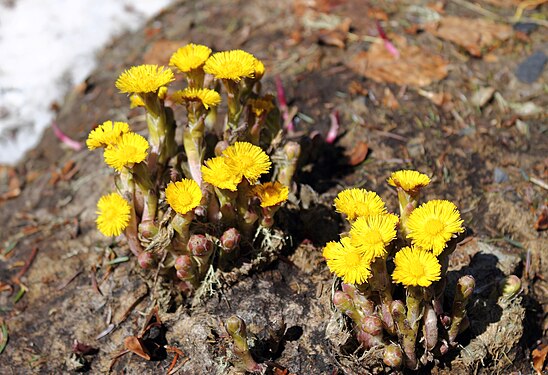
(465, 287)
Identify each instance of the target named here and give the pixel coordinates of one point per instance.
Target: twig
(539, 182)
(94, 281)
(25, 268)
(64, 284)
(71, 143)
(478, 9)
(288, 121)
(334, 128)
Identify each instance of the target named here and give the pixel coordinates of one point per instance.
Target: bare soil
(489, 158)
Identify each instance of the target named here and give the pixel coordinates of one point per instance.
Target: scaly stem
(465, 287)
(408, 201)
(406, 335)
(127, 189)
(380, 283)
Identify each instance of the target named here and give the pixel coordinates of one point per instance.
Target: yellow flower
(131, 148)
(107, 134)
(261, 105)
(359, 202)
(271, 193)
(408, 180)
(434, 223)
(184, 195)
(259, 69)
(207, 97)
(416, 267)
(217, 173)
(246, 159)
(144, 78)
(346, 262)
(233, 65)
(137, 101)
(113, 214)
(192, 56)
(370, 235)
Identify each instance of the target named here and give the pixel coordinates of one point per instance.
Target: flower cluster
(363, 256)
(171, 183)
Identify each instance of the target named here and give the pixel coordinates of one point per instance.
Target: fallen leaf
(160, 52)
(542, 221)
(389, 100)
(10, 185)
(504, 3)
(473, 34)
(358, 153)
(482, 96)
(377, 14)
(539, 356)
(134, 345)
(414, 67)
(438, 98)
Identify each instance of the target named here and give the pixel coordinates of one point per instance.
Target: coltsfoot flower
(208, 97)
(130, 149)
(356, 203)
(113, 214)
(217, 173)
(259, 69)
(370, 235)
(137, 101)
(144, 78)
(261, 105)
(434, 223)
(347, 262)
(408, 180)
(271, 193)
(416, 267)
(184, 195)
(232, 65)
(248, 160)
(190, 57)
(107, 134)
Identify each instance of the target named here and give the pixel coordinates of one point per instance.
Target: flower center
(433, 227)
(374, 237)
(353, 259)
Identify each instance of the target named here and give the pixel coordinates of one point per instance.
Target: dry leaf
(539, 356)
(10, 185)
(389, 100)
(473, 34)
(542, 221)
(377, 14)
(160, 52)
(438, 98)
(134, 345)
(414, 67)
(358, 153)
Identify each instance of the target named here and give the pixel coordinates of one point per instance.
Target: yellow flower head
(410, 181)
(370, 235)
(192, 56)
(261, 105)
(107, 134)
(130, 149)
(359, 202)
(246, 159)
(233, 65)
(113, 214)
(416, 267)
(346, 262)
(259, 69)
(144, 78)
(271, 193)
(434, 223)
(207, 97)
(184, 195)
(217, 173)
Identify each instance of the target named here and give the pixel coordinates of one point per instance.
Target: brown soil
(482, 159)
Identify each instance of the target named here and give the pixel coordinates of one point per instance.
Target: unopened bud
(230, 239)
(235, 326)
(183, 262)
(342, 301)
(510, 286)
(220, 147)
(392, 356)
(372, 325)
(397, 308)
(199, 245)
(146, 260)
(185, 275)
(465, 286)
(292, 150)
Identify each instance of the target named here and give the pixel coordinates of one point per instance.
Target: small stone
(531, 68)
(499, 176)
(525, 27)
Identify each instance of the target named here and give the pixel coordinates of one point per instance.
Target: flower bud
(397, 309)
(185, 275)
(510, 286)
(372, 325)
(392, 356)
(220, 147)
(342, 301)
(146, 260)
(183, 262)
(292, 150)
(199, 245)
(466, 286)
(230, 239)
